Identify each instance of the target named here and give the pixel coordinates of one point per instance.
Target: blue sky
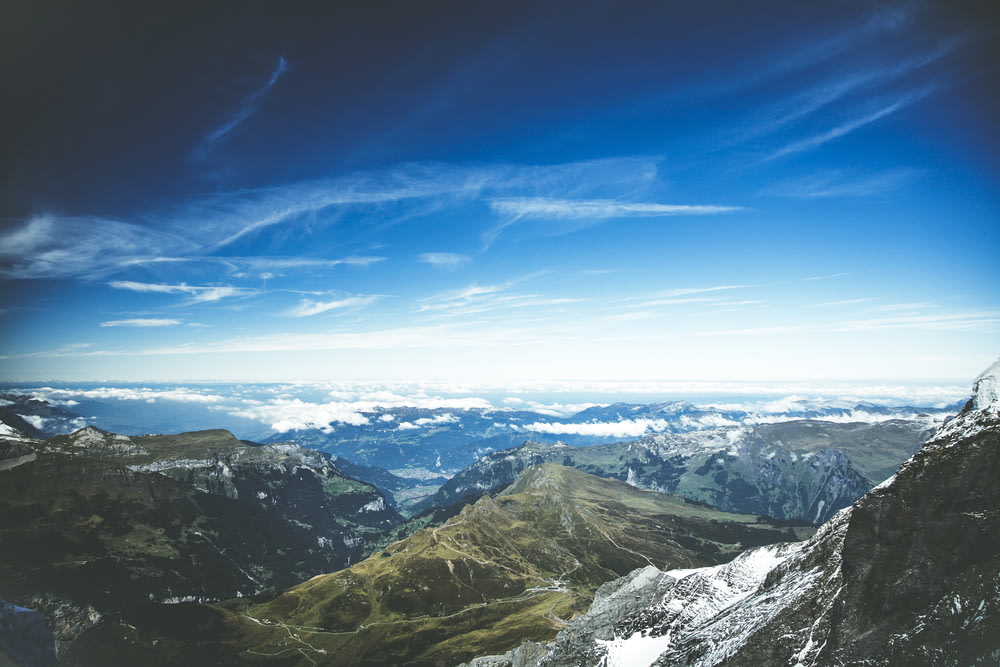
(500, 192)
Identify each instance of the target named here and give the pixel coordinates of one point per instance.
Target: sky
(499, 192)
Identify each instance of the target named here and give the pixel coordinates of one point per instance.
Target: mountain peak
(986, 389)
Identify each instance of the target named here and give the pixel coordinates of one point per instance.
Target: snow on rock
(377, 505)
(986, 389)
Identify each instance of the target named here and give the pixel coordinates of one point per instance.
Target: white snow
(986, 389)
(9, 430)
(377, 505)
(635, 651)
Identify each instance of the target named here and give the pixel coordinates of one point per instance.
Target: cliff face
(910, 574)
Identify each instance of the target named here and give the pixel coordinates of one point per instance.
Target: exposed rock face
(909, 575)
(804, 470)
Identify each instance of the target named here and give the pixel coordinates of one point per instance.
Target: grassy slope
(505, 570)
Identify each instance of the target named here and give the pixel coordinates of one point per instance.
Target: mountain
(908, 575)
(93, 522)
(442, 441)
(505, 569)
(803, 469)
(26, 415)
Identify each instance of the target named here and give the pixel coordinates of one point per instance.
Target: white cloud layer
(308, 307)
(446, 260)
(142, 322)
(543, 207)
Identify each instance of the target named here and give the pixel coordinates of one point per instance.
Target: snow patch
(637, 650)
(986, 389)
(377, 505)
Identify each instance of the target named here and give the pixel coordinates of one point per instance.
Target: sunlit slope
(506, 569)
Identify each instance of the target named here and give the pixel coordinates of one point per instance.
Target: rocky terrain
(94, 522)
(908, 575)
(508, 568)
(802, 470)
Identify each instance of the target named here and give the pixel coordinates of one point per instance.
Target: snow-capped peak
(986, 390)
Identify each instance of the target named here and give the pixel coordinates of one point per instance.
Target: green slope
(505, 570)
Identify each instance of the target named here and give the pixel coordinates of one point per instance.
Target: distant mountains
(802, 469)
(445, 440)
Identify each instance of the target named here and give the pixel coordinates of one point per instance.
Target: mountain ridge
(909, 574)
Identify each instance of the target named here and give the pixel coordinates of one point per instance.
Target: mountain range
(205, 549)
(506, 568)
(445, 440)
(908, 575)
(801, 469)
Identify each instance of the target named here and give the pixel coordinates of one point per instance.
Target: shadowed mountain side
(94, 522)
(506, 569)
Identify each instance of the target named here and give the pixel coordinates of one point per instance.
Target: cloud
(844, 302)
(92, 247)
(846, 127)
(437, 420)
(59, 247)
(446, 260)
(684, 291)
(198, 293)
(543, 207)
(484, 298)
(308, 308)
(146, 394)
(806, 103)
(247, 109)
(584, 212)
(141, 322)
(627, 428)
(836, 184)
(984, 320)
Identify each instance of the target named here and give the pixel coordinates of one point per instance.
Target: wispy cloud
(684, 291)
(586, 211)
(846, 127)
(59, 247)
(198, 293)
(308, 307)
(477, 299)
(142, 322)
(92, 247)
(247, 109)
(931, 322)
(847, 88)
(844, 302)
(838, 184)
(543, 207)
(444, 260)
